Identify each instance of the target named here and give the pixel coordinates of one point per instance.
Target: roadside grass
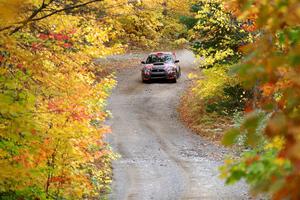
(193, 114)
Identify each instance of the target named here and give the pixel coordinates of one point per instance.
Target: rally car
(161, 65)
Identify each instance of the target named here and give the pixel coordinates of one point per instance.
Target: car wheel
(179, 73)
(174, 80)
(146, 81)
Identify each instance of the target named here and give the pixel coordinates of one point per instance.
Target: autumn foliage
(272, 66)
(52, 105)
(250, 50)
(53, 96)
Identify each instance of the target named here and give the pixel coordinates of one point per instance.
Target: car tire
(178, 73)
(174, 80)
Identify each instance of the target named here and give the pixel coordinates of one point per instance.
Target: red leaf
(248, 108)
(268, 89)
(56, 179)
(60, 37)
(43, 36)
(67, 45)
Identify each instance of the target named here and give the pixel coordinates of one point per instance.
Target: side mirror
(143, 62)
(176, 61)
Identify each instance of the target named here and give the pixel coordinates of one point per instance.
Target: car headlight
(171, 70)
(146, 71)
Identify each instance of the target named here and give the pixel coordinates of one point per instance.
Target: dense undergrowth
(214, 95)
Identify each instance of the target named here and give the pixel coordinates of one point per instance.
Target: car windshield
(154, 58)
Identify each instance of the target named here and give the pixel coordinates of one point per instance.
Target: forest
(53, 95)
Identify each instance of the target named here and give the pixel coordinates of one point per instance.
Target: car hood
(159, 66)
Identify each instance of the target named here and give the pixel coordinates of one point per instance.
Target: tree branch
(33, 17)
(65, 9)
(29, 19)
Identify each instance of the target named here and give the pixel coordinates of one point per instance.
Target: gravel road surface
(160, 158)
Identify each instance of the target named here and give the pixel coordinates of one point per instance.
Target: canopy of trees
(53, 95)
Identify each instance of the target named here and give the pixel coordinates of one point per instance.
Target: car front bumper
(158, 75)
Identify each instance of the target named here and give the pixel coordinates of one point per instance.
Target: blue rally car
(161, 65)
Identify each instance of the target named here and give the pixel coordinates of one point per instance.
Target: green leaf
(230, 137)
(281, 37)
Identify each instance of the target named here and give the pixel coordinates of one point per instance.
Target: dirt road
(161, 159)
